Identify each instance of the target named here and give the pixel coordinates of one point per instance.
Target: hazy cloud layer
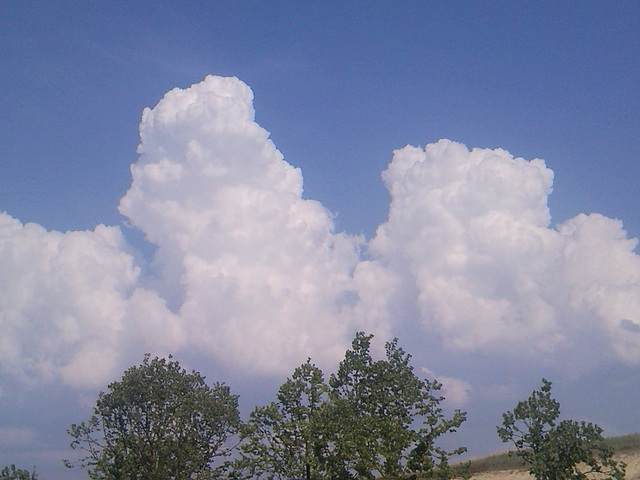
(249, 273)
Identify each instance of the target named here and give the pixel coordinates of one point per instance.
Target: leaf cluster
(10, 472)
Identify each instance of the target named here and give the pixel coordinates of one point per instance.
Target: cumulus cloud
(469, 232)
(66, 302)
(256, 272)
(250, 273)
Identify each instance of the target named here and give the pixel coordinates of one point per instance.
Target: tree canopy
(10, 472)
(387, 419)
(565, 450)
(158, 422)
(285, 439)
(373, 419)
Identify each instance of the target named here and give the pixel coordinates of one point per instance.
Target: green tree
(565, 450)
(383, 421)
(158, 422)
(283, 440)
(375, 419)
(10, 472)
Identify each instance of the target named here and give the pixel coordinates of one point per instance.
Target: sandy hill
(502, 467)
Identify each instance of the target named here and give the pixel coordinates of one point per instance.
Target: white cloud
(254, 276)
(469, 231)
(601, 279)
(263, 280)
(456, 391)
(65, 302)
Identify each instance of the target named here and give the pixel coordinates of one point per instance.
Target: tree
(375, 419)
(283, 440)
(565, 450)
(383, 420)
(157, 423)
(10, 472)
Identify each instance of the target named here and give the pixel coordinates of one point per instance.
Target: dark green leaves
(10, 472)
(157, 423)
(374, 419)
(285, 438)
(389, 419)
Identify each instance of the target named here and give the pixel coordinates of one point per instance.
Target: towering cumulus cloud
(248, 272)
(254, 271)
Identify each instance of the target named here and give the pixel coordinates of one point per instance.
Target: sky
(246, 184)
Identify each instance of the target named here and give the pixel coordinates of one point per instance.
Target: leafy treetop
(158, 422)
(565, 450)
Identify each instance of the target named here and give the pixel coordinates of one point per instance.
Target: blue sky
(339, 86)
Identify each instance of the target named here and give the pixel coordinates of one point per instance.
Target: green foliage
(10, 472)
(386, 420)
(565, 450)
(375, 419)
(157, 423)
(284, 438)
